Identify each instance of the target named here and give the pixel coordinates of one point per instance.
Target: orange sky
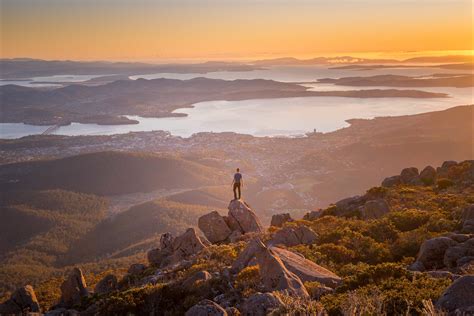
(220, 29)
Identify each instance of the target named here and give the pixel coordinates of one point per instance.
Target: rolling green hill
(107, 173)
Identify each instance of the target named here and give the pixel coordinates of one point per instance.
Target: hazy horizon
(222, 30)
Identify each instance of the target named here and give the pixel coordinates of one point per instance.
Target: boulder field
(281, 271)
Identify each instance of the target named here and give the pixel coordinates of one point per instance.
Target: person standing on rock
(237, 183)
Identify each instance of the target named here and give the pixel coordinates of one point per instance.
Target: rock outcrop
(172, 250)
(231, 228)
(275, 276)
(136, 268)
(293, 236)
(278, 220)
(456, 253)
(196, 277)
(106, 285)
(311, 216)
(22, 301)
(261, 304)
(468, 219)
(214, 227)
(374, 209)
(410, 176)
(156, 256)
(443, 171)
(206, 308)
(241, 217)
(246, 255)
(458, 297)
(305, 269)
(187, 244)
(428, 175)
(73, 289)
(391, 181)
(444, 252)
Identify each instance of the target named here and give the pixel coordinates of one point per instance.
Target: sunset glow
(211, 29)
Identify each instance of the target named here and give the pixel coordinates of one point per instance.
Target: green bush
(408, 219)
(391, 296)
(444, 183)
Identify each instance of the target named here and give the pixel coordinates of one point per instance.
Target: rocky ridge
(282, 272)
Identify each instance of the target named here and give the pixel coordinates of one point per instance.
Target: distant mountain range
(19, 68)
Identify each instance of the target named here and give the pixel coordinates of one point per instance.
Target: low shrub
(444, 183)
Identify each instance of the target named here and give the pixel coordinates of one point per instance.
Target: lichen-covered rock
(23, 300)
(293, 236)
(261, 304)
(305, 269)
(278, 220)
(206, 308)
(459, 295)
(375, 209)
(431, 254)
(242, 218)
(73, 289)
(214, 227)
(106, 285)
(275, 276)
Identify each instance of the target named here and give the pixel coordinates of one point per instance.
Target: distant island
(107, 104)
(435, 80)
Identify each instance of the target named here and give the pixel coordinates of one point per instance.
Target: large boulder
(455, 253)
(106, 285)
(374, 209)
(305, 269)
(22, 301)
(275, 276)
(214, 227)
(458, 296)
(391, 181)
(468, 219)
(156, 256)
(431, 254)
(293, 235)
(428, 175)
(312, 215)
(443, 171)
(261, 304)
(278, 220)
(136, 268)
(173, 250)
(410, 176)
(206, 308)
(349, 204)
(244, 258)
(196, 277)
(184, 246)
(242, 218)
(73, 289)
